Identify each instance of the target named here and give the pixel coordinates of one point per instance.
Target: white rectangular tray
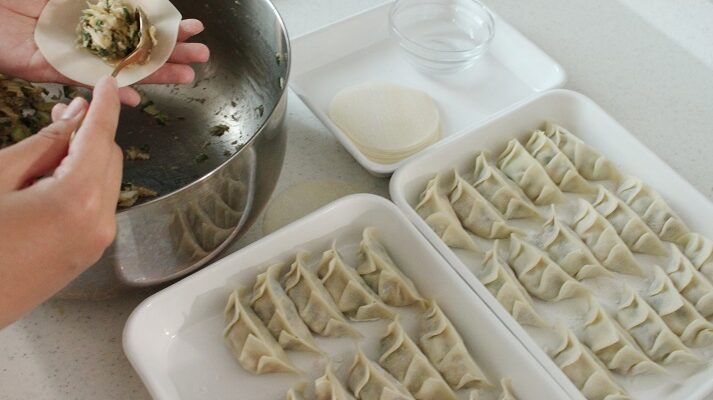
(587, 120)
(358, 49)
(174, 338)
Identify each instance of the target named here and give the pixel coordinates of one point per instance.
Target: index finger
(93, 144)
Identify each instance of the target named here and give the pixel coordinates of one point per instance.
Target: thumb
(40, 154)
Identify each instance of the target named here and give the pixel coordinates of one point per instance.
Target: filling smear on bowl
(110, 29)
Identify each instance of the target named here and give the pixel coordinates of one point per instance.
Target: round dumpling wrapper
(56, 37)
(386, 121)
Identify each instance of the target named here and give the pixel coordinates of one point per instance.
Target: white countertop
(647, 62)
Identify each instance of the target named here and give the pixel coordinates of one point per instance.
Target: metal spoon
(144, 48)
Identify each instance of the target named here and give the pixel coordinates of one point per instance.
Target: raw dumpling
(476, 213)
(557, 165)
(653, 210)
(507, 290)
(604, 242)
(250, 341)
(569, 252)
(630, 227)
(613, 346)
(527, 173)
(437, 212)
(403, 359)
(276, 310)
(678, 313)
(313, 302)
(505, 391)
(383, 276)
(651, 333)
(352, 295)
(501, 192)
(699, 250)
(328, 387)
(585, 372)
(540, 275)
(589, 162)
(296, 392)
(368, 381)
(690, 283)
(444, 347)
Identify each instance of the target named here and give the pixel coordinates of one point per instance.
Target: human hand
(54, 227)
(20, 57)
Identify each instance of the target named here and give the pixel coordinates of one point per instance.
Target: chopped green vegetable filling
(24, 110)
(219, 130)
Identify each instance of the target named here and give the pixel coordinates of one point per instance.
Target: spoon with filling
(142, 53)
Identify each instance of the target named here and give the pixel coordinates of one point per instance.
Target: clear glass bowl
(442, 35)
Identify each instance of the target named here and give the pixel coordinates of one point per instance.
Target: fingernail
(74, 108)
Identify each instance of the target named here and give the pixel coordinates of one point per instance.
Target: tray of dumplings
(350, 302)
(587, 246)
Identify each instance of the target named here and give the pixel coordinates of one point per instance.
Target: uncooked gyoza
(540, 275)
(588, 161)
(604, 241)
(352, 296)
(507, 290)
(382, 275)
(557, 165)
(276, 310)
(699, 250)
(527, 173)
(630, 227)
(678, 313)
(313, 302)
(476, 213)
(584, 370)
(403, 359)
(250, 341)
(507, 197)
(653, 210)
(614, 347)
(368, 381)
(436, 210)
(444, 347)
(690, 283)
(328, 387)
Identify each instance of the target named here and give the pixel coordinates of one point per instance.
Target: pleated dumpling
(614, 347)
(506, 392)
(651, 333)
(382, 275)
(476, 213)
(585, 371)
(403, 359)
(527, 173)
(604, 241)
(507, 290)
(699, 250)
(436, 210)
(678, 313)
(540, 275)
(569, 252)
(500, 191)
(276, 310)
(328, 387)
(368, 381)
(588, 161)
(557, 165)
(313, 302)
(250, 341)
(690, 283)
(653, 210)
(351, 294)
(296, 392)
(630, 227)
(444, 347)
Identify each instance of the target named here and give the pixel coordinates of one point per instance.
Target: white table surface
(648, 62)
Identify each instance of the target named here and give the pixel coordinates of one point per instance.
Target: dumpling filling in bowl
(110, 29)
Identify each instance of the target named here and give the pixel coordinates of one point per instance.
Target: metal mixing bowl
(212, 187)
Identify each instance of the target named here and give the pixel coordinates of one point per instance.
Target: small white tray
(359, 49)
(587, 120)
(174, 338)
